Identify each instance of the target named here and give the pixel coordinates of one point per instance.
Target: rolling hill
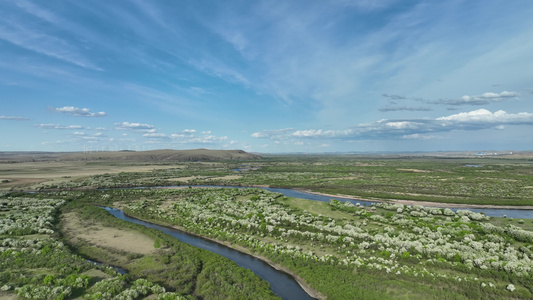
(152, 156)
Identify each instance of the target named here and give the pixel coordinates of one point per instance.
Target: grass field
(459, 180)
(28, 175)
(388, 251)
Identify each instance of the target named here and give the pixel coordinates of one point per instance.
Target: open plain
(402, 247)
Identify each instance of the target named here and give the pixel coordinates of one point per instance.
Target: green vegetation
(343, 251)
(468, 181)
(390, 251)
(44, 268)
(35, 264)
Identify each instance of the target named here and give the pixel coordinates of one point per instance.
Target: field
(339, 251)
(453, 180)
(28, 175)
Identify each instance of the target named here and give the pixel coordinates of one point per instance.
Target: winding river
(281, 283)
(491, 212)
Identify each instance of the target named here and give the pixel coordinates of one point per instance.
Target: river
(491, 212)
(281, 283)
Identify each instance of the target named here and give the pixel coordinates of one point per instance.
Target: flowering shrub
(19, 254)
(28, 216)
(387, 237)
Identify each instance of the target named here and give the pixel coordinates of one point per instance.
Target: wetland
(376, 227)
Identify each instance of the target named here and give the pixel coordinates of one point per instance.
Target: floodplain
(337, 250)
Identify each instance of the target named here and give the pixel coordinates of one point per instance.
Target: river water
(281, 283)
(491, 212)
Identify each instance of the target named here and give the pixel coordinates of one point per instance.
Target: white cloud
(188, 136)
(79, 112)
(403, 108)
(58, 126)
(15, 118)
(273, 134)
(208, 139)
(309, 133)
(416, 136)
(483, 99)
(409, 129)
(156, 135)
(485, 116)
(259, 135)
(402, 125)
(135, 126)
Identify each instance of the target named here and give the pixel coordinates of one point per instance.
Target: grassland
(346, 252)
(443, 256)
(471, 180)
(44, 243)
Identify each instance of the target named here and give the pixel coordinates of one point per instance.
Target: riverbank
(393, 201)
(362, 278)
(422, 203)
(308, 289)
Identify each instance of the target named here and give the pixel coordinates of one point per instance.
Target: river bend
(281, 283)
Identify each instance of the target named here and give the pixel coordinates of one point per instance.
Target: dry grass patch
(27, 174)
(227, 177)
(8, 296)
(317, 208)
(185, 179)
(108, 237)
(19, 182)
(414, 170)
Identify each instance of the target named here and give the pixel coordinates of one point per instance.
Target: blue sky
(266, 76)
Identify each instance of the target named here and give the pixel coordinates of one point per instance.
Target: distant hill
(131, 156)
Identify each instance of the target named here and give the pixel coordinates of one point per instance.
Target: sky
(266, 76)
